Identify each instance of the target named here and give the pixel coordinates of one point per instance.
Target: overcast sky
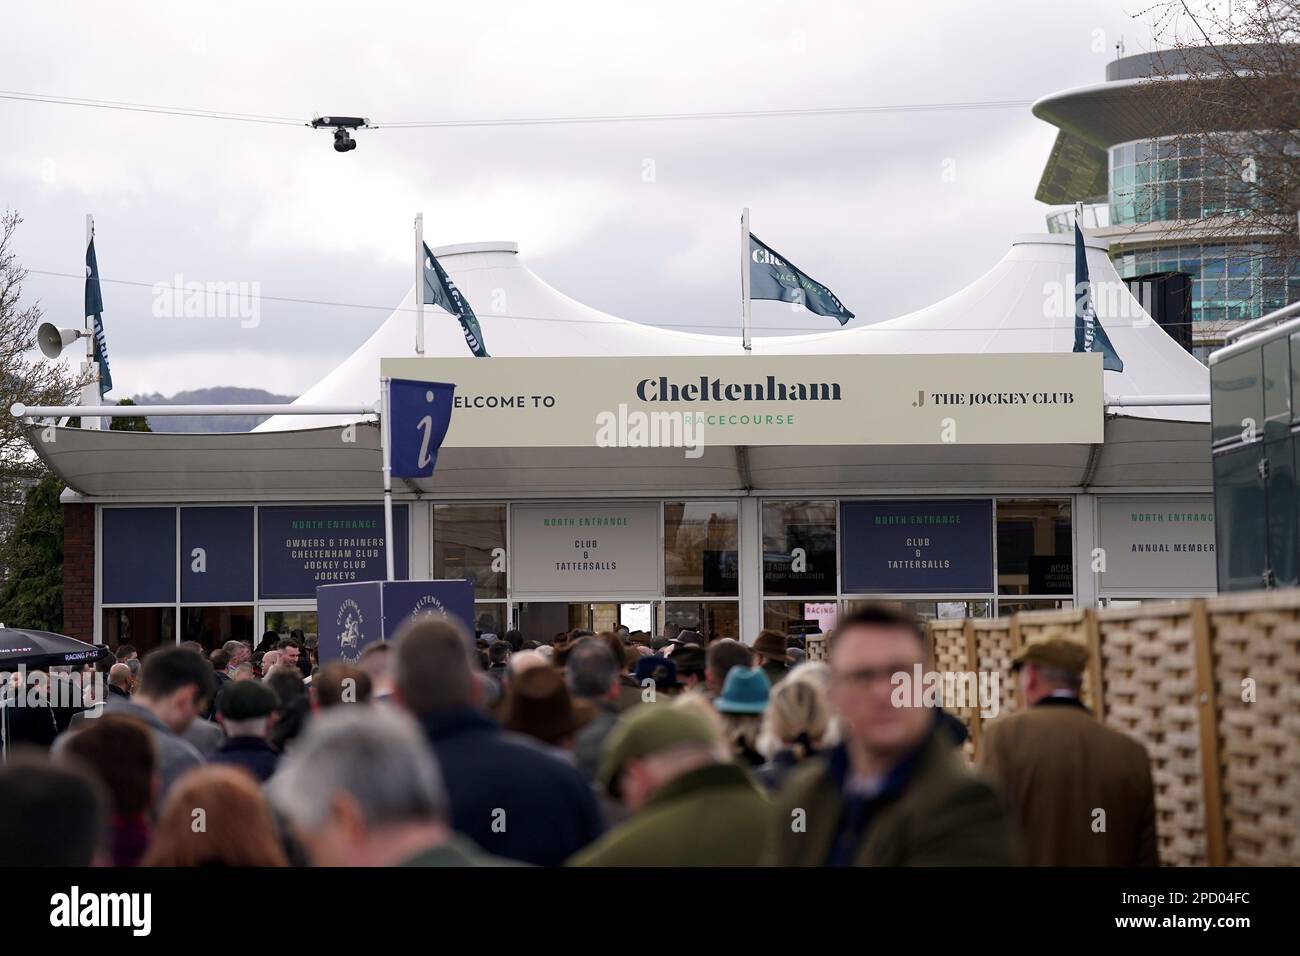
(859, 201)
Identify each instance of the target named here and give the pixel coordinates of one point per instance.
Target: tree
(24, 377)
(32, 596)
(140, 424)
(1228, 83)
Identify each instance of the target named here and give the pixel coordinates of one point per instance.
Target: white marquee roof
(303, 458)
(1007, 310)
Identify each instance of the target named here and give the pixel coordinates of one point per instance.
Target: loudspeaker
(53, 340)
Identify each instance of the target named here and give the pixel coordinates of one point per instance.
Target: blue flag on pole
(1089, 336)
(440, 290)
(95, 307)
(419, 414)
(772, 276)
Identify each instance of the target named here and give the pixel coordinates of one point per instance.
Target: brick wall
(79, 571)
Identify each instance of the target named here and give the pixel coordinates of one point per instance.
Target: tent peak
(465, 248)
(1059, 239)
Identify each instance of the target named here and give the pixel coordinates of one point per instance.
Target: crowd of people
(589, 749)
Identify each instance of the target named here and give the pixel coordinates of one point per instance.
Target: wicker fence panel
(995, 643)
(1148, 667)
(1210, 687)
(948, 648)
(1256, 650)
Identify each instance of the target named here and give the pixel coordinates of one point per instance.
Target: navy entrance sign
(352, 616)
(419, 413)
(917, 547)
(305, 546)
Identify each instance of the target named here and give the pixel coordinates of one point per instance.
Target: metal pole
(1137, 401)
(419, 283)
(386, 443)
(744, 278)
(90, 393)
(19, 410)
(1274, 317)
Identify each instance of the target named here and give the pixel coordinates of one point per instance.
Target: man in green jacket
(895, 792)
(690, 805)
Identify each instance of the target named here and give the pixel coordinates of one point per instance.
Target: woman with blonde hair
(744, 697)
(216, 816)
(795, 727)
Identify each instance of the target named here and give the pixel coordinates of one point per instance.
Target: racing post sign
(350, 617)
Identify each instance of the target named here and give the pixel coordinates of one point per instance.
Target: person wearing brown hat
(690, 805)
(539, 705)
(771, 655)
(1082, 792)
(720, 658)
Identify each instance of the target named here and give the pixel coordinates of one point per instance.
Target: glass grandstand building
(1151, 189)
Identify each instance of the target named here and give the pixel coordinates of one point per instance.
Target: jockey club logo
(349, 621)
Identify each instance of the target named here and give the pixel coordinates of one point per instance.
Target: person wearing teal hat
(744, 697)
(745, 691)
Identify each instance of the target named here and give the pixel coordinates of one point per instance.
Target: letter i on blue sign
(419, 414)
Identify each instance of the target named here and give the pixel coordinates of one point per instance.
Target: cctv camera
(340, 122)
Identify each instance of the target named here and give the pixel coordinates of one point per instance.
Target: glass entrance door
(543, 620)
(285, 620)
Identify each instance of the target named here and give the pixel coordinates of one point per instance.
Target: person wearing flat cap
(689, 804)
(245, 710)
(1083, 793)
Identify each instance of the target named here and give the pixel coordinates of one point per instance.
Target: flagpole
(744, 278)
(419, 287)
(386, 441)
(90, 394)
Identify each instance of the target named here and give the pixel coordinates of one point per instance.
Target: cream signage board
(768, 400)
(1155, 545)
(601, 550)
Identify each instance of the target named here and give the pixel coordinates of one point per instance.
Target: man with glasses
(894, 792)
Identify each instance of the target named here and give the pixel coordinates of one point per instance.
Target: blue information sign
(937, 546)
(304, 547)
(217, 555)
(419, 414)
(139, 555)
(351, 616)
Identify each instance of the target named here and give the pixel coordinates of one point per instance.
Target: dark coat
(175, 754)
(254, 754)
(932, 811)
(590, 741)
(508, 795)
(222, 680)
(710, 816)
(1058, 765)
(456, 852)
(773, 774)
